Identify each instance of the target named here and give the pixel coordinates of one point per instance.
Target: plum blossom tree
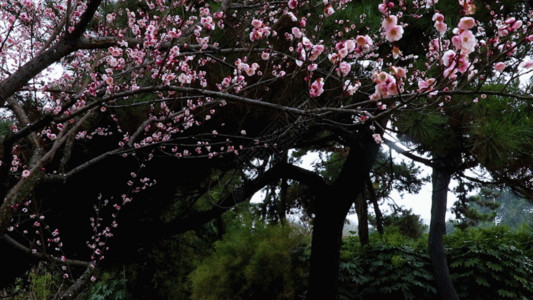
(200, 79)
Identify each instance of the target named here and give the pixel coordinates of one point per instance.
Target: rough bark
(441, 179)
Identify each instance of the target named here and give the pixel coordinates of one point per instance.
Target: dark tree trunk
(282, 205)
(362, 218)
(377, 211)
(332, 206)
(325, 252)
(441, 179)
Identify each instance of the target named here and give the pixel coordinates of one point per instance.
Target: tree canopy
(125, 123)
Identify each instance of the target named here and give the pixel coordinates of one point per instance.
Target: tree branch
(73, 262)
(17, 80)
(73, 291)
(243, 193)
(407, 153)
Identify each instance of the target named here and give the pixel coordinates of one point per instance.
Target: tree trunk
(325, 252)
(332, 206)
(374, 200)
(441, 179)
(362, 219)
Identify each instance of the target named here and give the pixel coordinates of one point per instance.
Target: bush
(485, 263)
(490, 263)
(393, 266)
(254, 261)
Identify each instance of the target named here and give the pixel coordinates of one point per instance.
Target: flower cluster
(259, 31)
(393, 31)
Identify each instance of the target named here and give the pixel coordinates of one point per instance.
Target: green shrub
(490, 263)
(387, 269)
(252, 262)
(111, 285)
(485, 263)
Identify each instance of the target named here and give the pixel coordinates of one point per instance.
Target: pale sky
(419, 203)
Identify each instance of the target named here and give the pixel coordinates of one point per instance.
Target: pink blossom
(343, 52)
(499, 66)
(516, 25)
(430, 3)
(296, 32)
(385, 85)
(469, 8)
(389, 22)
(317, 87)
(333, 58)
(441, 27)
(438, 17)
(396, 52)
(328, 10)
(344, 69)
(527, 64)
(399, 72)
(463, 64)
(381, 77)
(425, 85)
(292, 16)
(265, 55)
(466, 23)
(25, 173)
(364, 43)
(257, 23)
(207, 23)
(293, 4)
(24, 17)
(510, 21)
(448, 58)
(377, 138)
(394, 33)
(306, 43)
(108, 80)
(111, 17)
(360, 40)
(383, 8)
(465, 42)
(115, 51)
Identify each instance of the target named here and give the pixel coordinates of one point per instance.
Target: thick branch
(73, 291)
(17, 80)
(243, 193)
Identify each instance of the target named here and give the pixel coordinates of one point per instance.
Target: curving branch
(241, 194)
